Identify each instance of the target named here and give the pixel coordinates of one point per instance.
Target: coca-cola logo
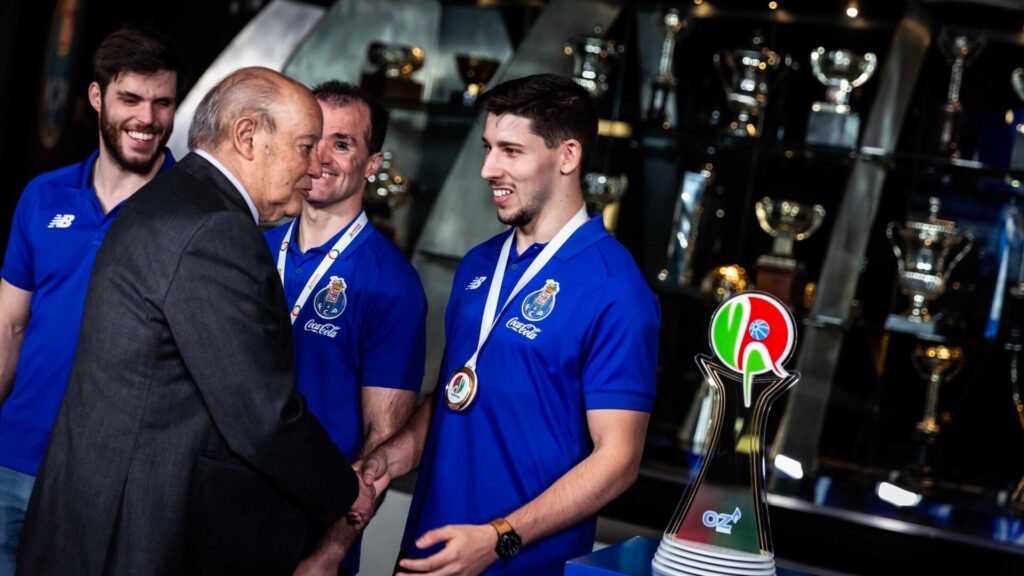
(528, 330)
(329, 330)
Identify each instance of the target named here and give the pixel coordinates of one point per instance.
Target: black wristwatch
(508, 541)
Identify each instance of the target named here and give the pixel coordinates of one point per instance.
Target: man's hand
(365, 505)
(373, 470)
(332, 550)
(468, 549)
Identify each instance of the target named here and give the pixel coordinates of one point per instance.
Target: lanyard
(329, 258)
(491, 313)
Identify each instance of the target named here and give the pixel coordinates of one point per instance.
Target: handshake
(374, 478)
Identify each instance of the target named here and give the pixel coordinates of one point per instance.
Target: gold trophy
(475, 72)
(748, 84)
(778, 273)
(833, 122)
(937, 363)
(723, 282)
(392, 77)
(385, 191)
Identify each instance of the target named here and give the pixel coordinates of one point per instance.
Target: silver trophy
(386, 191)
(833, 122)
(602, 193)
(786, 221)
(925, 258)
(593, 56)
(747, 84)
(664, 84)
(960, 50)
(1017, 151)
(678, 269)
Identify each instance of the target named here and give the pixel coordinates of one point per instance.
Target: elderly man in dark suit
(181, 446)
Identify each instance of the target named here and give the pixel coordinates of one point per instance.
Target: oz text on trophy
(833, 122)
(787, 221)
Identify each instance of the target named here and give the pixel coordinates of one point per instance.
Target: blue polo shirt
(378, 339)
(591, 345)
(57, 229)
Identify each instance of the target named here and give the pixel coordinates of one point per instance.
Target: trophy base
(387, 88)
(900, 323)
(781, 277)
(833, 129)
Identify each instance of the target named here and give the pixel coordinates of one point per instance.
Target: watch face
(508, 545)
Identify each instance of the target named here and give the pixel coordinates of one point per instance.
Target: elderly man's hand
(364, 506)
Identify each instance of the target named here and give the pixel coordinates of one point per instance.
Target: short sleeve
(621, 350)
(18, 269)
(394, 341)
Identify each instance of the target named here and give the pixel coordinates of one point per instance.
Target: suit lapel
(199, 167)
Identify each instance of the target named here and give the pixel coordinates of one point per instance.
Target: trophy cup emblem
(960, 51)
(747, 87)
(833, 122)
(602, 193)
(787, 221)
(721, 524)
(475, 72)
(664, 83)
(925, 259)
(392, 77)
(937, 364)
(593, 56)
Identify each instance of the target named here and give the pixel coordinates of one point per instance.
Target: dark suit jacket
(182, 446)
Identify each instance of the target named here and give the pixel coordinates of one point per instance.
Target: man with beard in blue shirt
(61, 219)
(548, 375)
(357, 306)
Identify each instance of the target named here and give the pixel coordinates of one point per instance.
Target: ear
(374, 164)
(95, 96)
(571, 157)
(243, 134)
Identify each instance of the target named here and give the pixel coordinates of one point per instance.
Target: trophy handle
(889, 233)
(819, 217)
(816, 55)
(870, 63)
(967, 245)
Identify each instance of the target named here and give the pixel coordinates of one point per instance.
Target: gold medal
(461, 389)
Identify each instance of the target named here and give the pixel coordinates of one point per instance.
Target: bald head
(263, 127)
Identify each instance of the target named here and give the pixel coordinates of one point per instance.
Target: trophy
(925, 259)
(746, 88)
(392, 77)
(721, 523)
(724, 282)
(832, 122)
(602, 193)
(592, 57)
(937, 364)
(678, 269)
(663, 86)
(1017, 151)
(385, 191)
(475, 72)
(787, 221)
(960, 50)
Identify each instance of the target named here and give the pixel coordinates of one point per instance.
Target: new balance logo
(62, 221)
(476, 282)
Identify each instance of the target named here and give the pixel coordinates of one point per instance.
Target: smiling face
(345, 157)
(287, 157)
(520, 168)
(136, 113)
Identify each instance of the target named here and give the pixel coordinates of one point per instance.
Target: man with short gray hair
(182, 446)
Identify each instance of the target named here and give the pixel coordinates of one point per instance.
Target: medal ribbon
(491, 314)
(335, 251)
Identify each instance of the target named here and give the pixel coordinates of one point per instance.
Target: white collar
(231, 177)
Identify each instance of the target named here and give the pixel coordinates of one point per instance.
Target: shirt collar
(231, 178)
(591, 231)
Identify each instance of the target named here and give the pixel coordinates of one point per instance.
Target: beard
(111, 135)
(527, 213)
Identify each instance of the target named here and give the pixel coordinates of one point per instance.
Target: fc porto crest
(330, 302)
(537, 305)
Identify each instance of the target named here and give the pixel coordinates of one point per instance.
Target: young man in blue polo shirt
(357, 306)
(61, 219)
(549, 369)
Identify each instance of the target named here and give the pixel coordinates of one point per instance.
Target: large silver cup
(833, 122)
(593, 56)
(925, 258)
(747, 84)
